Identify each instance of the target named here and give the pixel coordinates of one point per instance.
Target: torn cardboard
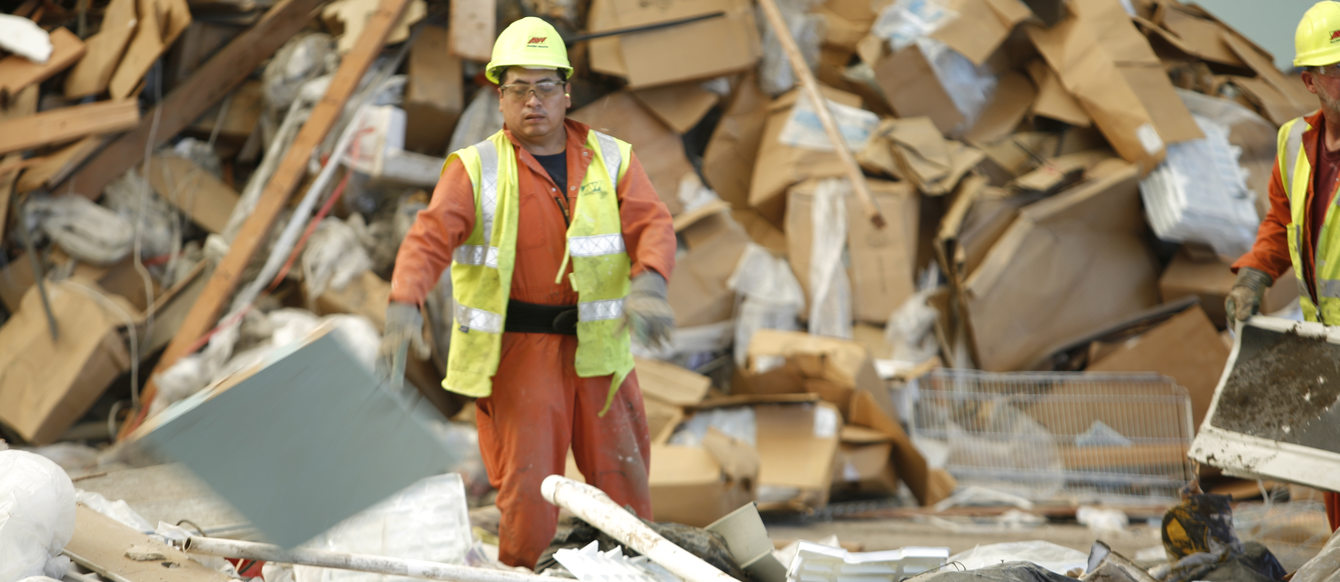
(929, 485)
(797, 446)
(981, 27)
(698, 292)
(696, 485)
(1038, 286)
(912, 89)
(832, 368)
(863, 466)
(683, 52)
(778, 165)
(728, 162)
(880, 261)
(680, 106)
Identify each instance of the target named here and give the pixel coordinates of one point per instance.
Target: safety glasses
(522, 91)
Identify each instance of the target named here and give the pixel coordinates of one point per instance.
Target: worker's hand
(404, 327)
(1244, 299)
(647, 311)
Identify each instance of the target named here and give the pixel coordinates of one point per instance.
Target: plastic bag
(333, 257)
(86, 231)
(426, 521)
(36, 516)
(1058, 559)
(770, 297)
(830, 290)
(155, 222)
(900, 24)
(775, 74)
(911, 327)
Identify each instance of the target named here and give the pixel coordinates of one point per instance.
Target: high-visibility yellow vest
(481, 270)
(1296, 173)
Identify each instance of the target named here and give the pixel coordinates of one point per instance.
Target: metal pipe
(349, 561)
(597, 509)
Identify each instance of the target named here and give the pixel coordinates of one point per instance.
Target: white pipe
(347, 561)
(597, 509)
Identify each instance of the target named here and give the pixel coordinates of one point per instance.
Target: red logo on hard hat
(540, 39)
(1335, 35)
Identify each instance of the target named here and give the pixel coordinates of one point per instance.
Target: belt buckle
(565, 322)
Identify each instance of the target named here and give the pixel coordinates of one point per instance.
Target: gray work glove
(647, 312)
(1244, 299)
(404, 328)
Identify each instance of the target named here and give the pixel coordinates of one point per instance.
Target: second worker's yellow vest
(1296, 173)
(481, 271)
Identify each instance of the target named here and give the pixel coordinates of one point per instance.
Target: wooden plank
(100, 543)
(17, 72)
(94, 71)
(45, 171)
(65, 124)
(207, 86)
(23, 105)
(292, 169)
(471, 28)
(206, 199)
(141, 53)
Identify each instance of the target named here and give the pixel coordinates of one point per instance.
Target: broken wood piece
(23, 105)
(101, 543)
(193, 190)
(471, 29)
(811, 87)
(50, 169)
(60, 125)
(104, 49)
(292, 169)
(17, 72)
(241, 113)
(209, 84)
(160, 22)
(347, 18)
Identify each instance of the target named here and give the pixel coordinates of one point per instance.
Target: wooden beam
(292, 168)
(207, 86)
(67, 123)
(52, 168)
(206, 199)
(94, 71)
(471, 28)
(23, 105)
(17, 72)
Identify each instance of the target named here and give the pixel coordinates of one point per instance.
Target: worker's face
(1324, 82)
(533, 102)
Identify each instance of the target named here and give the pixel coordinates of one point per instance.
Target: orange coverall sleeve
(437, 231)
(648, 229)
(1270, 252)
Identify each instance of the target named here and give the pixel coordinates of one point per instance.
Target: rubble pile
(187, 187)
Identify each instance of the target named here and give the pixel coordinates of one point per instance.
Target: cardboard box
(1040, 285)
(657, 147)
(683, 52)
(881, 262)
(797, 446)
(680, 106)
(434, 95)
(1185, 348)
(988, 24)
(1210, 281)
(698, 292)
(669, 383)
(912, 89)
(728, 162)
(863, 464)
(835, 369)
(779, 166)
(698, 485)
(46, 385)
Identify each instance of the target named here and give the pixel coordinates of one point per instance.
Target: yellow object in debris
(1202, 522)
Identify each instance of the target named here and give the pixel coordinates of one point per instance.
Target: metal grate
(1110, 438)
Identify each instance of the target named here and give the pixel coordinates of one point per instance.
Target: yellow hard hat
(1317, 40)
(529, 42)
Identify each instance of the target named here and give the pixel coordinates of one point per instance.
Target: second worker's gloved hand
(647, 310)
(1244, 299)
(404, 327)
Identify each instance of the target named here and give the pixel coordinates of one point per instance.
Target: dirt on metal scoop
(1281, 387)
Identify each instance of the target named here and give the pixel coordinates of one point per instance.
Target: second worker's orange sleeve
(1270, 252)
(437, 231)
(648, 229)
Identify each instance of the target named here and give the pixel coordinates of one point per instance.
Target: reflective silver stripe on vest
(1329, 288)
(598, 310)
(596, 245)
(478, 255)
(469, 318)
(1292, 144)
(488, 184)
(609, 151)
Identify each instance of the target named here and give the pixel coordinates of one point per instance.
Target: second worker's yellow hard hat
(528, 42)
(1317, 40)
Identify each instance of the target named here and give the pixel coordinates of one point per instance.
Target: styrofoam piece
(36, 515)
(819, 563)
(427, 521)
(1308, 454)
(589, 564)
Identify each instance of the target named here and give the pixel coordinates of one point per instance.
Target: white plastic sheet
(88, 232)
(36, 516)
(830, 297)
(1058, 559)
(770, 297)
(333, 257)
(807, 29)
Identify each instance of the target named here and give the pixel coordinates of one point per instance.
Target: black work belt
(535, 318)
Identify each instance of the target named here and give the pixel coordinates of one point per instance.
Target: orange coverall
(539, 405)
(1270, 252)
